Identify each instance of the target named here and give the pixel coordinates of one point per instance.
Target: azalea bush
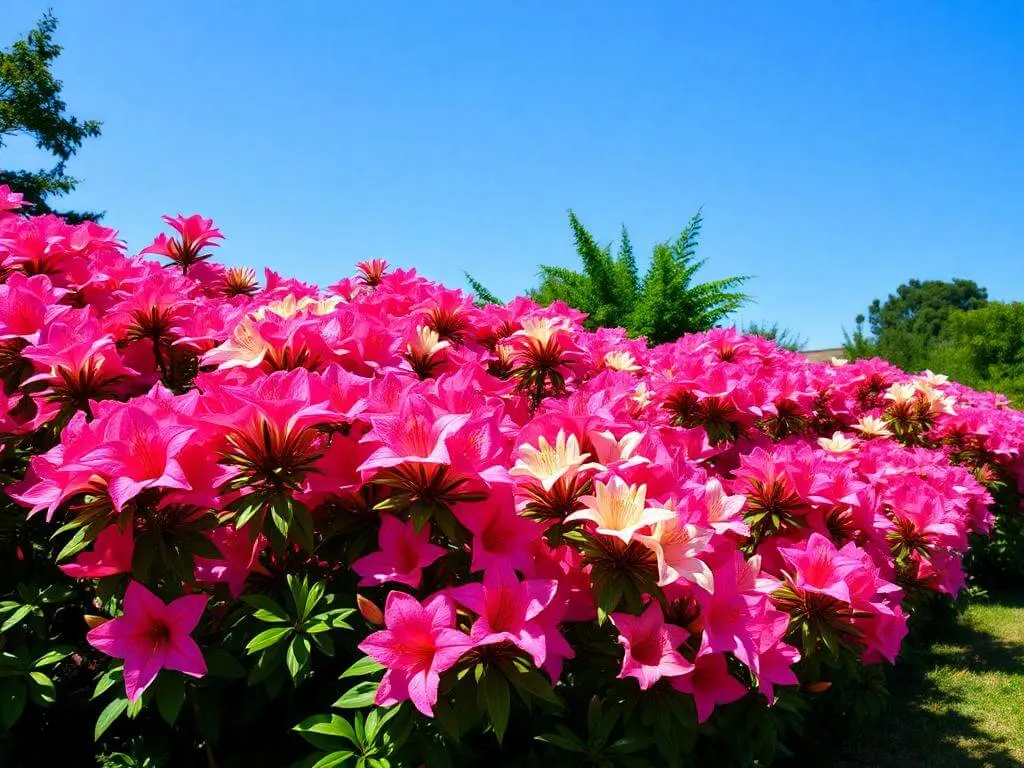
(260, 523)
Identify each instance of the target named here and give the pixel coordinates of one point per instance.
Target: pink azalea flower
(10, 201)
(507, 609)
(418, 644)
(240, 558)
(111, 553)
(501, 538)
(403, 554)
(650, 646)
(194, 235)
(151, 636)
(819, 567)
(416, 434)
(140, 453)
(710, 684)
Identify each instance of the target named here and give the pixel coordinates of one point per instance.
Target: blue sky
(837, 148)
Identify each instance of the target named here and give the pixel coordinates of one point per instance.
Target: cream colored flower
(839, 361)
(901, 392)
(425, 343)
(620, 510)
(642, 396)
(872, 426)
(609, 450)
(676, 545)
(550, 463)
(838, 443)
(621, 360)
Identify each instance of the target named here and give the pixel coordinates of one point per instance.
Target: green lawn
(961, 703)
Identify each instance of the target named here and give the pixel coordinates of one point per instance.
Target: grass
(960, 704)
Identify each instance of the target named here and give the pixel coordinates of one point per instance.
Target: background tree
(663, 305)
(31, 106)
(984, 349)
(784, 337)
(909, 324)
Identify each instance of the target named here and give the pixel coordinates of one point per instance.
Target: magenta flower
(819, 567)
(507, 609)
(650, 646)
(240, 557)
(194, 235)
(151, 636)
(111, 553)
(140, 452)
(403, 554)
(419, 642)
(710, 684)
(501, 537)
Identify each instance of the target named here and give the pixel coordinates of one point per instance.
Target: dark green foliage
(31, 105)
(910, 323)
(662, 306)
(784, 337)
(483, 296)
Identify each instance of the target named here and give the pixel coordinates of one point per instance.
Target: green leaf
(16, 618)
(568, 741)
(335, 759)
(267, 638)
(110, 713)
(496, 694)
(302, 527)
(52, 657)
(365, 666)
(249, 508)
(135, 708)
(358, 696)
(107, 679)
(299, 589)
(170, 695)
(533, 683)
(316, 593)
(324, 643)
(12, 702)
(322, 731)
(267, 609)
(297, 658)
(222, 664)
(41, 689)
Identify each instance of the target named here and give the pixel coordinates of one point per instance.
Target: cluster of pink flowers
(713, 500)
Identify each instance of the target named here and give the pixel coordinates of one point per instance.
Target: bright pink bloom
(240, 558)
(419, 643)
(194, 234)
(710, 684)
(151, 636)
(819, 567)
(650, 646)
(507, 609)
(403, 554)
(10, 201)
(416, 434)
(501, 538)
(141, 453)
(111, 553)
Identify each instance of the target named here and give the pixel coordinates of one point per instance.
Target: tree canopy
(911, 322)
(31, 106)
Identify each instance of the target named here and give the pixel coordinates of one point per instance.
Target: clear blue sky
(838, 148)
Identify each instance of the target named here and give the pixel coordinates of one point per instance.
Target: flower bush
(379, 525)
